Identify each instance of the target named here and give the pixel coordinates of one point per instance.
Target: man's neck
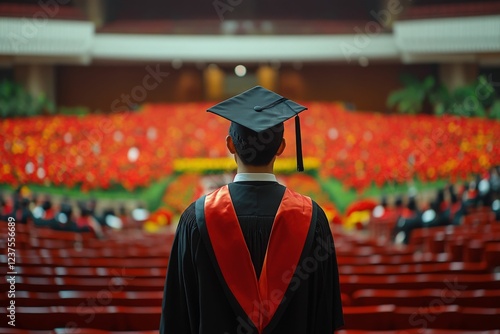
(255, 169)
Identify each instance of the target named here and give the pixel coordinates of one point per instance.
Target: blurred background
(104, 141)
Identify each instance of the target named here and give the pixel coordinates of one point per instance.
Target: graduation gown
(240, 264)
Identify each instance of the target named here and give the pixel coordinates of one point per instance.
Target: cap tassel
(298, 138)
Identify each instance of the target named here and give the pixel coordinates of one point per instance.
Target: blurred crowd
(448, 206)
(81, 216)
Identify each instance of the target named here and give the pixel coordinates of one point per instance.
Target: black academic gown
(198, 300)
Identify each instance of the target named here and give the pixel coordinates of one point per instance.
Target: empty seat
(109, 318)
(436, 316)
(351, 283)
(425, 297)
(96, 298)
(117, 283)
(426, 268)
(39, 271)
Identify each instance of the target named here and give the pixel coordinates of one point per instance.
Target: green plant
(474, 100)
(440, 100)
(15, 101)
(495, 110)
(471, 100)
(411, 98)
(77, 111)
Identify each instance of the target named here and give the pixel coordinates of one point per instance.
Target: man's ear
(281, 148)
(230, 145)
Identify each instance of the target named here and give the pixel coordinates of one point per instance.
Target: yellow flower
(201, 165)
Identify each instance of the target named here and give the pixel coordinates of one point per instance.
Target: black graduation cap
(260, 109)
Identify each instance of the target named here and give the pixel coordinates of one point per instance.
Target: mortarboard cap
(259, 109)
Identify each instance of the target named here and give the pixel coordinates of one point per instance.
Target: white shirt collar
(240, 177)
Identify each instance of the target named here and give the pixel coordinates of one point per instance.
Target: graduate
(253, 256)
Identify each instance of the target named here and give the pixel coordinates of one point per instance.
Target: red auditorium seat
(95, 253)
(492, 255)
(76, 298)
(416, 331)
(110, 272)
(422, 298)
(101, 331)
(346, 300)
(432, 316)
(390, 317)
(96, 262)
(47, 233)
(20, 228)
(456, 249)
(111, 318)
(419, 236)
(365, 251)
(51, 284)
(480, 318)
(351, 283)
(394, 259)
(50, 243)
(12, 330)
(474, 251)
(431, 268)
(436, 316)
(381, 228)
(479, 218)
(368, 317)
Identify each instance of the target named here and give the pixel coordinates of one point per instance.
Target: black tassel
(298, 139)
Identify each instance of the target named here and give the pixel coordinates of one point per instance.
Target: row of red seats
(82, 272)
(115, 318)
(129, 252)
(48, 233)
(44, 273)
(382, 317)
(78, 297)
(25, 241)
(134, 258)
(405, 331)
(480, 220)
(420, 237)
(343, 331)
(426, 297)
(75, 331)
(436, 316)
(133, 262)
(348, 283)
(380, 269)
(365, 297)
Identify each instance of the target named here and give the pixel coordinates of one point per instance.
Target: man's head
(255, 148)
(256, 133)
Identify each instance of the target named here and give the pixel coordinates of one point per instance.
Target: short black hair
(256, 148)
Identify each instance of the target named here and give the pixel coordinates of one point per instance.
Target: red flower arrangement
(136, 148)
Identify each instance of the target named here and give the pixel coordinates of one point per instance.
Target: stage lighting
(240, 70)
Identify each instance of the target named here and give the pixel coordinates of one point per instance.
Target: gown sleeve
(180, 298)
(328, 304)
